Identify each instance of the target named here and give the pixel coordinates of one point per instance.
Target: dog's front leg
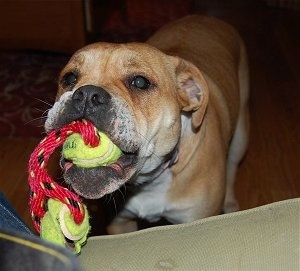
(150, 203)
(124, 222)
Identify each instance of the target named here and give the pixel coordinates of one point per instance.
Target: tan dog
(176, 106)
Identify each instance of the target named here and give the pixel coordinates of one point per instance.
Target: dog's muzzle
(96, 105)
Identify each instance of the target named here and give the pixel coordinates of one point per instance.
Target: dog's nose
(89, 97)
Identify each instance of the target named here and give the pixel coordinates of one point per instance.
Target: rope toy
(58, 224)
(57, 213)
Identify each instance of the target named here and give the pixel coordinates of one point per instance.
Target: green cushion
(264, 238)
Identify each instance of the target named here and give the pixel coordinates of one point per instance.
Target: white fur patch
(54, 112)
(151, 202)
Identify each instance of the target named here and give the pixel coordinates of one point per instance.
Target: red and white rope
(42, 186)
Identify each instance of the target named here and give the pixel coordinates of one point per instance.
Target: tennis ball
(82, 155)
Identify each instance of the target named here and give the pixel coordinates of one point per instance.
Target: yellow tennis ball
(82, 155)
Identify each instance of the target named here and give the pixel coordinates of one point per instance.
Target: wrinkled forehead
(117, 56)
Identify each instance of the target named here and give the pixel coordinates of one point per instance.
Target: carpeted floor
(28, 87)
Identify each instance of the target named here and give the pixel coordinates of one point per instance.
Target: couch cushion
(264, 238)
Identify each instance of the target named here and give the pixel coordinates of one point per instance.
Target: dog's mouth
(110, 116)
(95, 182)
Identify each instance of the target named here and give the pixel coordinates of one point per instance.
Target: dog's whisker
(109, 198)
(42, 118)
(45, 113)
(125, 188)
(44, 102)
(115, 205)
(105, 199)
(122, 194)
(41, 110)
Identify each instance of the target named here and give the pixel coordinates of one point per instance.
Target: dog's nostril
(96, 100)
(78, 95)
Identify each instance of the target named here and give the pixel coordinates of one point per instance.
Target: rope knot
(42, 186)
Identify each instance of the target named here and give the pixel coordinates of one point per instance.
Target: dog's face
(133, 93)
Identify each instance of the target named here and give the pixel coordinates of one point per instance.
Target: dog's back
(218, 51)
(213, 46)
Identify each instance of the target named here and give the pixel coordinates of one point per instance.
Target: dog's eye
(140, 82)
(69, 79)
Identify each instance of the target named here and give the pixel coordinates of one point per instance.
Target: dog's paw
(122, 227)
(231, 206)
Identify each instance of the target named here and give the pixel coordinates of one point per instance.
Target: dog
(177, 108)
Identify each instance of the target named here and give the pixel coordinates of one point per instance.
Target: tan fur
(216, 49)
(197, 103)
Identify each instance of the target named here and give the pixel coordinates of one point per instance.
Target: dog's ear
(192, 90)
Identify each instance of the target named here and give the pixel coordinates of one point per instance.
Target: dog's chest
(151, 202)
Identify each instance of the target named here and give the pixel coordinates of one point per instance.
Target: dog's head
(135, 94)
